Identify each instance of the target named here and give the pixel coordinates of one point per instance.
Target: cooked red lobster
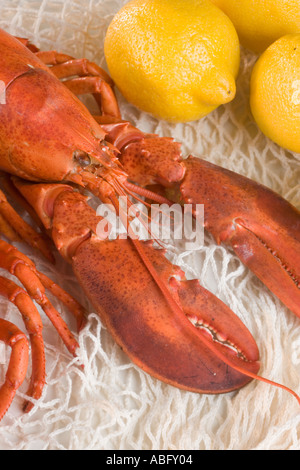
(172, 328)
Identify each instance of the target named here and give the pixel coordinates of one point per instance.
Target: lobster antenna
(90, 181)
(133, 190)
(121, 190)
(10, 218)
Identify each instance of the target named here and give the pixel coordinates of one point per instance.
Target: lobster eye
(82, 158)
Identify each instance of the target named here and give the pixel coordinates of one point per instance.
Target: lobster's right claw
(261, 227)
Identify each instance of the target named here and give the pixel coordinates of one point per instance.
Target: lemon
(275, 92)
(176, 59)
(261, 22)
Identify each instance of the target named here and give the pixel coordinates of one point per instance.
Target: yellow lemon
(176, 59)
(275, 92)
(261, 22)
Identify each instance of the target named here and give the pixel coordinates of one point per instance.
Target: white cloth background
(111, 404)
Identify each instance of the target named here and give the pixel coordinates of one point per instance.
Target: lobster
(170, 327)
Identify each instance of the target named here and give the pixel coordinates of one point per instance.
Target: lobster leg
(12, 219)
(16, 372)
(91, 79)
(74, 307)
(47, 57)
(80, 67)
(10, 190)
(64, 66)
(101, 91)
(53, 57)
(21, 267)
(27, 43)
(35, 283)
(34, 326)
(146, 303)
(7, 230)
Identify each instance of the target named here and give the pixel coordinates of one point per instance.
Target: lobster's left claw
(212, 353)
(261, 227)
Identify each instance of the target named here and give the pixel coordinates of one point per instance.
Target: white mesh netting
(111, 404)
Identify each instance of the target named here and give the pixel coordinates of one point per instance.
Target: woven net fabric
(110, 403)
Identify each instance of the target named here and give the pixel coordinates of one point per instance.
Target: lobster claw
(261, 227)
(157, 337)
